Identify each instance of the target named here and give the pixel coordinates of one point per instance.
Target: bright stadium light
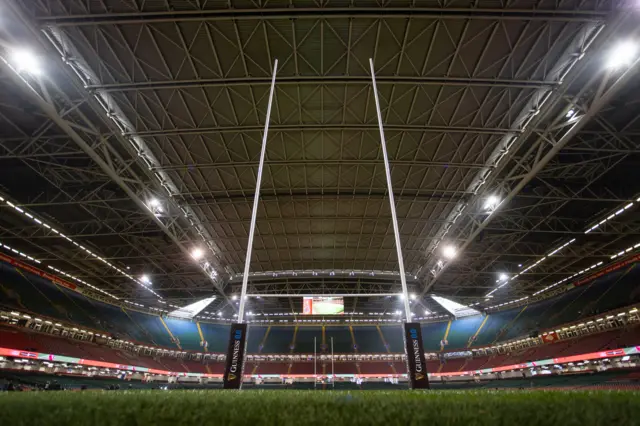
(503, 277)
(24, 60)
(427, 312)
(623, 54)
(412, 296)
(197, 253)
(492, 202)
(234, 297)
(449, 252)
(398, 312)
(154, 202)
(145, 279)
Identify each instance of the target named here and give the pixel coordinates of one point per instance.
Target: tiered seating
(305, 337)
(476, 363)
(186, 332)
(302, 368)
(401, 367)
(393, 336)
(27, 290)
(31, 293)
(153, 325)
(344, 368)
(278, 341)
(376, 368)
(271, 368)
(462, 330)
(432, 334)
(453, 365)
(614, 290)
(342, 342)
(217, 335)
(368, 340)
(255, 336)
(495, 323)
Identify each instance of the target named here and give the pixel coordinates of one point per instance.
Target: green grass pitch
(307, 408)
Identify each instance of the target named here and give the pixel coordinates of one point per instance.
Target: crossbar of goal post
(234, 364)
(416, 363)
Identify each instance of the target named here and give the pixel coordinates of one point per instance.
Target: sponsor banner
(234, 363)
(592, 355)
(615, 353)
(416, 363)
(605, 271)
(38, 272)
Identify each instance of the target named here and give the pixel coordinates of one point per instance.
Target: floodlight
(23, 60)
(145, 279)
(449, 252)
(234, 297)
(412, 296)
(503, 277)
(154, 202)
(622, 54)
(197, 253)
(492, 202)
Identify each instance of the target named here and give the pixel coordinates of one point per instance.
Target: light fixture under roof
(622, 54)
(492, 202)
(503, 276)
(449, 252)
(197, 253)
(24, 60)
(145, 279)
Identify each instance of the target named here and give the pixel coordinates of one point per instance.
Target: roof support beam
(329, 12)
(603, 86)
(324, 80)
(319, 127)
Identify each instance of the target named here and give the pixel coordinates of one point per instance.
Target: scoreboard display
(323, 306)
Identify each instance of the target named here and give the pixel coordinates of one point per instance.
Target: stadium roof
(134, 128)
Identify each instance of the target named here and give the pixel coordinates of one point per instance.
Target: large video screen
(323, 306)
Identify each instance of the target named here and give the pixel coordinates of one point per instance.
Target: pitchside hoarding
(234, 364)
(416, 362)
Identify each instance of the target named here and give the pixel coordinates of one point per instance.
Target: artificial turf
(306, 408)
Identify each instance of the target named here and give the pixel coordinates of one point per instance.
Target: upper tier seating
(30, 293)
(24, 339)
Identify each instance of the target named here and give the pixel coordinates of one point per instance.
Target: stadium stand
(393, 337)
(279, 340)
(217, 336)
(305, 336)
(463, 330)
(38, 296)
(342, 341)
(368, 339)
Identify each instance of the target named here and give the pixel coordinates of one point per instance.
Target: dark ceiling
(166, 100)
